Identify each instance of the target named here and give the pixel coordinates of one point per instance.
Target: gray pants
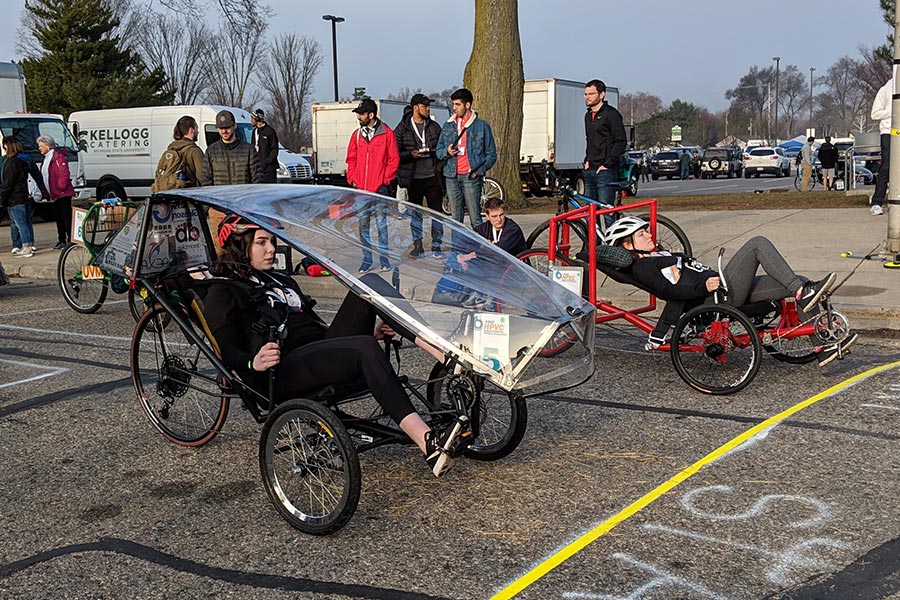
(745, 286)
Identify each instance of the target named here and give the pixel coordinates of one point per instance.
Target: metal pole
(811, 71)
(769, 112)
(334, 55)
(777, 60)
(891, 247)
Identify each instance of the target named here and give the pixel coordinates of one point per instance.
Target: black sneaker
(365, 267)
(438, 450)
(812, 292)
(838, 350)
(417, 249)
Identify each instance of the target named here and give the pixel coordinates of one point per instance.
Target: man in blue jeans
(606, 142)
(468, 144)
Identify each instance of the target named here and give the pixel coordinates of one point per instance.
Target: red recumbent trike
(716, 348)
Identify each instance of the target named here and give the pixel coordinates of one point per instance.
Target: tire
(578, 184)
(632, 190)
(309, 467)
(539, 259)
(445, 206)
(669, 177)
(492, 189)
(136, 304)
(795, 350)
(715, 349)
(746, 174)
(503, 417)
(540, 237)
(180, 390)
(110, 189)
(670, 235)
(655, 177)
(730, 174)
(798, 182)
(715, 164)
(83, 295)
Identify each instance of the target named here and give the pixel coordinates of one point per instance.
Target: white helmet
(623, 228)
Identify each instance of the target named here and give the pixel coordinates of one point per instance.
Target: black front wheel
(84, 286)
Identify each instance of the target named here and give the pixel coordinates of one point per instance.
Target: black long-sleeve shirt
(651, 271)
(606, 139)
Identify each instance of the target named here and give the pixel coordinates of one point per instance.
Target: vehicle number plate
(759, 168)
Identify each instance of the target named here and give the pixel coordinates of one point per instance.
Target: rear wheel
(578, 240)
(180, 390)
(715, 349)
(539, 259)
(83, 286)
(669, 235)
(309, 467)
(502, 418)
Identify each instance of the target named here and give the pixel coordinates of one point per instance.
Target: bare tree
(495, 75)
(234, 56)
(238, 14)
(752, 92)
(287, 79)
(181, 52)
(439, 98)
(637, 107)
(844, 104)
(793, 98)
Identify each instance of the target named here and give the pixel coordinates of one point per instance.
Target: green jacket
(230, 164)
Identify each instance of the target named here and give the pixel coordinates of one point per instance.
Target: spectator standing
(372, 162)
(417, 139)
(14, 196)
(685, 164)
(58, 181)
(881, 112)
(695, 164)
(265, 142)
(828, 157)
(189, 154)
(606, 142)
(228, 161)
(467, 144)
(36, 190)
(645, 169)
(806, 162)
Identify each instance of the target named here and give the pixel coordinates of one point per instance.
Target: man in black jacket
(828, 157)
(265, 141)
(417, 137)
(606, 142)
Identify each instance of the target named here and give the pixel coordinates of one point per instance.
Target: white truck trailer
(12, 88)
(553, 130)
(334, 122)
(122, 146)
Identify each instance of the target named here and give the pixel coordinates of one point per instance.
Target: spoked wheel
(492, 189)
(578, 240)
(177, 385)
(503, 416)
(137, 302)
(539, 259)
(83, 286)
(309, 467)
(792, 350)
(669, 236)
(716, 349)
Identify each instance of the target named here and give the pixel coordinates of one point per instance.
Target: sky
(691, 50)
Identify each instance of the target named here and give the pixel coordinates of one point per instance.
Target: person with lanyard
(500, 230)
(681, 278)
(310, 354)
(468, 150)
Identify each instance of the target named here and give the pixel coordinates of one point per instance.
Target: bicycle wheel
(309, 467)
(539, 259)
(84, 295)
(798, 350)
(798, 182)
(669, 236)
(715, 349)
(492, 189)
(137, 303)
(180, 390)
(502, 418)
(540, 237)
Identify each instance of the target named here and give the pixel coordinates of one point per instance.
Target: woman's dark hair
(183, 125)
(13, 146)
(234, 261)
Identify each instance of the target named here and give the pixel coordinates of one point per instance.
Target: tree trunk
(495, 76)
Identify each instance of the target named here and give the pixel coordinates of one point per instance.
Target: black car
(666, 164)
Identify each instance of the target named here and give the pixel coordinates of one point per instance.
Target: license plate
(759, 168)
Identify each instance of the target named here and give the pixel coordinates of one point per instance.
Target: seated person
(310, 354)
(678, 277)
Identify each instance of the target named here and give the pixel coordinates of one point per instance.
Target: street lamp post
(811, 71)
(334, 21)
(777, 60)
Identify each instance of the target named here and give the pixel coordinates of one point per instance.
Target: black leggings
(348, 352)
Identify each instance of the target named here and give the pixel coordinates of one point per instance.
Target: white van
(122, 146)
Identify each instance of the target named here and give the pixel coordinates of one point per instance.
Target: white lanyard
(421, 138)
(497, 234)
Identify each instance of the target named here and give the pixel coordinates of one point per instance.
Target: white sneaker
(876, 210)
(16, 251)
(26, 253)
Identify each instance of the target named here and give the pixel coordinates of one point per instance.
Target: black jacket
(230, 164)
(606, 140)
(828, 155)
(407, 141)
(691, 285)
(265, 140)
(512, 240)
(14, 189)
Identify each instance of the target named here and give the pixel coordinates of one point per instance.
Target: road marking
(712, 187)
(572, 548)
(18, 363)
(881, 406)
(70, 333)
(821, 509)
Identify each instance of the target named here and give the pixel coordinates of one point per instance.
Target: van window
(27, 131)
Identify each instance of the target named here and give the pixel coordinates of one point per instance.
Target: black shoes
(812, 291)
(837, 350)
(438, 450)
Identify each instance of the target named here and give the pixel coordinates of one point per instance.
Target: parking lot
(629, 486)
(722, 185)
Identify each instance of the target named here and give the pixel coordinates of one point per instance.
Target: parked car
(721, 161)
(665, 164)
(766, 160)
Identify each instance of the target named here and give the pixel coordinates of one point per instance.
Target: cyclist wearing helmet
(310, 354)
(682, 278)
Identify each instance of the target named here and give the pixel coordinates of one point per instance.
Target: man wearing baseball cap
(417, 137)
(372, 162)
(265, 141)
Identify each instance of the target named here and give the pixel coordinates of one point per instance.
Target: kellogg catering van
(122, 146)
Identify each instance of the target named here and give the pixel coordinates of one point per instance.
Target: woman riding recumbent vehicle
(233, 329)
(715, 323)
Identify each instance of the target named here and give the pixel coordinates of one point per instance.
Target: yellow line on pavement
(603, 528)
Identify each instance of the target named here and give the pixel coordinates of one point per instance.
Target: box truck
(334, 122)
(27, 127)
(122, 146)
(12, 88)
(553, 130)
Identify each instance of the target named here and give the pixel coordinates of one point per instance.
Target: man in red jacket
(372, 162)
